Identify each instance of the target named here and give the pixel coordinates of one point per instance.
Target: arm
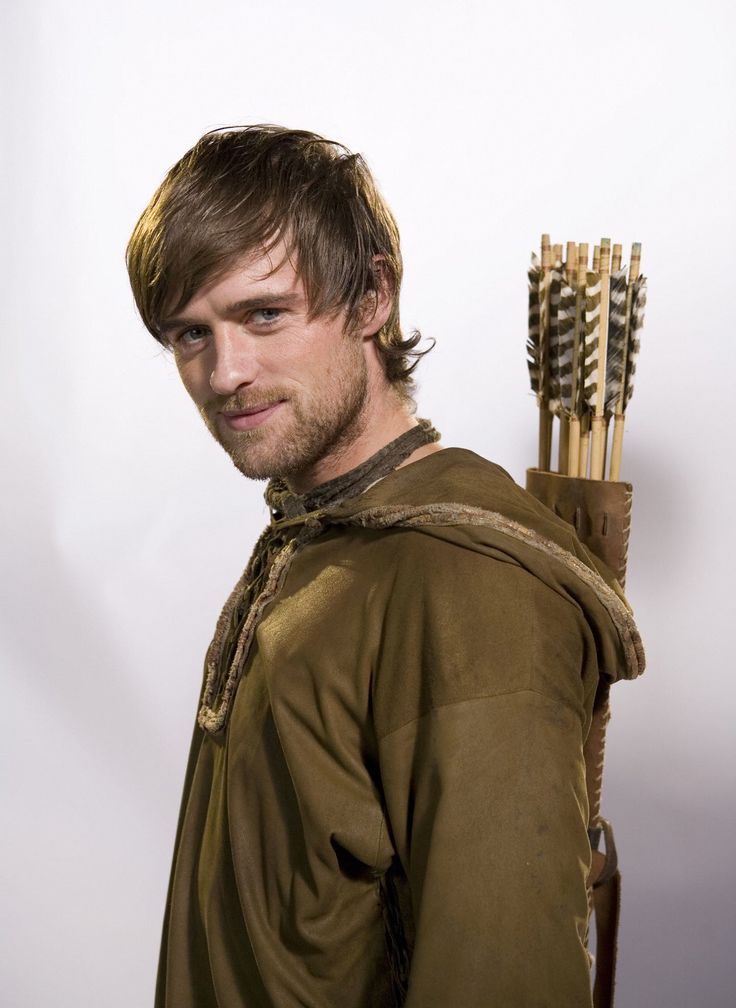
(492, 795)
(485, 787)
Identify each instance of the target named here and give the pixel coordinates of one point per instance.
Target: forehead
(273, 269)
(262, 279)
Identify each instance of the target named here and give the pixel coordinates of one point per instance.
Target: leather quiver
(598, 510)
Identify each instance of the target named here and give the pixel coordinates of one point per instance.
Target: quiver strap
(600, 512)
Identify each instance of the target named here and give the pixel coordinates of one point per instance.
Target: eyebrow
(265, 300)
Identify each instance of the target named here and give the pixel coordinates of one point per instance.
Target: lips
(251, 416)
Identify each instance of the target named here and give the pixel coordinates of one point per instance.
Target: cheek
(196, 379)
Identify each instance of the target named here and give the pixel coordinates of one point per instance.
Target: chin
(262, 465)
(253, 468)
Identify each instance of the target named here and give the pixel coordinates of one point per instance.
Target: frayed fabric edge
(449, 514)
(212, 719)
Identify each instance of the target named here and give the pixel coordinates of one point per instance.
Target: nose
(235, 361)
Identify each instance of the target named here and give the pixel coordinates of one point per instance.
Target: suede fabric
(413, 707)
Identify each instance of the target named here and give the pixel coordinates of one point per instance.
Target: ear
(378, 303)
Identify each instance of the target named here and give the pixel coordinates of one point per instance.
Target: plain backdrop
(124, 526)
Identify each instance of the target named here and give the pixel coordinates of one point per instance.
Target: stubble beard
(323, 426)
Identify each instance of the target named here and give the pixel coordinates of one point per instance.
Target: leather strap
(607, 908)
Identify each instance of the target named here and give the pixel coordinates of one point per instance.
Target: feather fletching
(566, 347)
(533, 343)
(592, 326)
(555, 288)
(638, 307)
(616, 345)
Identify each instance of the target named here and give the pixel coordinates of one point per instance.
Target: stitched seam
(381, 827)
(478, 696)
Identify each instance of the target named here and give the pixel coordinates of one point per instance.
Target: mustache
(245, 401)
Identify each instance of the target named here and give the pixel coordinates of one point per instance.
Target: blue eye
(191, 335)
(267, 315)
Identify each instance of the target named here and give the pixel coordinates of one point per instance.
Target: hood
(457, 496)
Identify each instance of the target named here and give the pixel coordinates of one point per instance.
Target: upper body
(414, 702)
(385, 799)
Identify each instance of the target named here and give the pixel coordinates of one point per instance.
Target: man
(385, 799)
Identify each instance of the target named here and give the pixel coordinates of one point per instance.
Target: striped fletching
(533, 343)
(616, 345)
(638, 307)
(592, 326)
(555, 288)
(579, 351)
(566, 347)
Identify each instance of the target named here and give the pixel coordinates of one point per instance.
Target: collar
(285, 504)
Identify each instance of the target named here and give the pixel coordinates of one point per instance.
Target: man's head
(243, 191)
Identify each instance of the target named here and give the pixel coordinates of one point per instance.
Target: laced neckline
(228, 653)
(284, 503)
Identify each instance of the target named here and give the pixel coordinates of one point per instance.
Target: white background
(124, 526)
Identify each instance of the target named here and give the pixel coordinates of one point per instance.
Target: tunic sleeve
(486, 700)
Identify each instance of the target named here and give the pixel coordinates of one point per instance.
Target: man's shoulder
(458, 526)
(451, 475)
(467, 511)
(455, 487)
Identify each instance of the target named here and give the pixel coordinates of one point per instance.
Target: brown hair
(241, 189)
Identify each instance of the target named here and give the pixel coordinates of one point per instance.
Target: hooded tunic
(393, 810)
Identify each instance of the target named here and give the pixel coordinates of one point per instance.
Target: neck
(384, 418)
(411, 444)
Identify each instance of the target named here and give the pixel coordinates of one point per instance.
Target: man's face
(283, 395)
